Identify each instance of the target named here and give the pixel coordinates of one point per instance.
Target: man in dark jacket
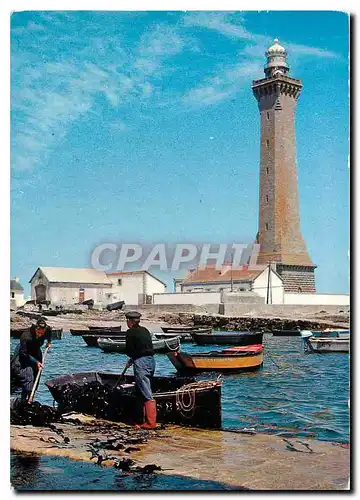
(27, 359)
(140, 350)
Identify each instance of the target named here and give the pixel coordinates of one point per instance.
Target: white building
(134, 287)
(16, 293)
(63, 285)
(265, 283)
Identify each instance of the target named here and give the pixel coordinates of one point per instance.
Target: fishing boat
(331, 334)
(186, 329)
(99, 333)
(233, 359)
(98, 329)
(51, 312)
(79, 333)
(324, 345)
(179, 400)
(116, 306)
(56, 334)
(236, 338)
(286, 333)
(114, 345)
(92, 340)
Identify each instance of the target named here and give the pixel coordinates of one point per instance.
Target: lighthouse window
(267, 199)
(266, 226)
(267, 170)
(268, 115)
(267, 143)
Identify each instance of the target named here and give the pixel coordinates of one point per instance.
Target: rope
(187, 410)
(176, 348)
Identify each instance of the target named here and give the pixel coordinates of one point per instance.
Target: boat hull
(92, 340)
(177, 400)
(98, 333)
(228, 338)
(327, 345)
(98, 329)
(159, 346)
(217, 361)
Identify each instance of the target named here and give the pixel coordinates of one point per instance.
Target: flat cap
(41, 323)
(132, 315)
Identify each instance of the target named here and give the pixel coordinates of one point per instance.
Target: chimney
(16, 278)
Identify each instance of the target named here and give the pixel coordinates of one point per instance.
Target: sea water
(294, 394)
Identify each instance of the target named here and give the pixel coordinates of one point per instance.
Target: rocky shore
(268, 322)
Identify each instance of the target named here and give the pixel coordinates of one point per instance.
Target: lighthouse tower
(279, 235)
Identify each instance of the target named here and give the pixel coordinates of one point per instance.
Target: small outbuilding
(16, 293)
(64, 285)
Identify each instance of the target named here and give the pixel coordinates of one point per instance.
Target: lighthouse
(279, 232)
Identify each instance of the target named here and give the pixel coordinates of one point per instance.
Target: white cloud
(227, 81)
(47, 96)
(217, 21)
(223, 85)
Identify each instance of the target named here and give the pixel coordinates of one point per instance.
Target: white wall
(131, 286)
(196, 298)
(260, 287)
(317, 299)
(62, 295)
(18, 299)
(152, 285)
(214, 287)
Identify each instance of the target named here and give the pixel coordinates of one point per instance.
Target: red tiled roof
(211, 274)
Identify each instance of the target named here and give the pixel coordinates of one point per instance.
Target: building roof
(74, 275)
(210, 274)
(129, 273)
(15, 285)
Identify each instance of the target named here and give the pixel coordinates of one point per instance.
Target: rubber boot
(150, 415)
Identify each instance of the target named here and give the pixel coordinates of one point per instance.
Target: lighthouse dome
(276, 60)
(276, 49)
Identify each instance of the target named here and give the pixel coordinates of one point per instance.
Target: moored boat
(324, 345)
(186, 329)
(116, 306)
(98, 329)
(114, 345)
(99, 333)
(286, 333)
(236, 338)
(336, 334)
(56, 334)
(79, 333)
(179, 400)
(233, 359)
(92, 340)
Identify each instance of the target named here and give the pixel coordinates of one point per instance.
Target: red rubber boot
(150, 415)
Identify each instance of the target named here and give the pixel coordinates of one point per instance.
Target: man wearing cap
(140, 350)
(27, 358)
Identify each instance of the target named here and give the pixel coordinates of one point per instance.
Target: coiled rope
(187, 410)
(176, 348)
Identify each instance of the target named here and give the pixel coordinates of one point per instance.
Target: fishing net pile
(33, 414)
(92, 398)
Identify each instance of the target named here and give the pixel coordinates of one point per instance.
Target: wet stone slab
(258, 461)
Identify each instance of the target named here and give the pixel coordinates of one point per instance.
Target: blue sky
(142, 126)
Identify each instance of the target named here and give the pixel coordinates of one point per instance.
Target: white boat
(325, 344)
(163, 345)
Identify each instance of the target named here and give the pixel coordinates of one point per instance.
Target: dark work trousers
(144, 369)
(23, 375)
